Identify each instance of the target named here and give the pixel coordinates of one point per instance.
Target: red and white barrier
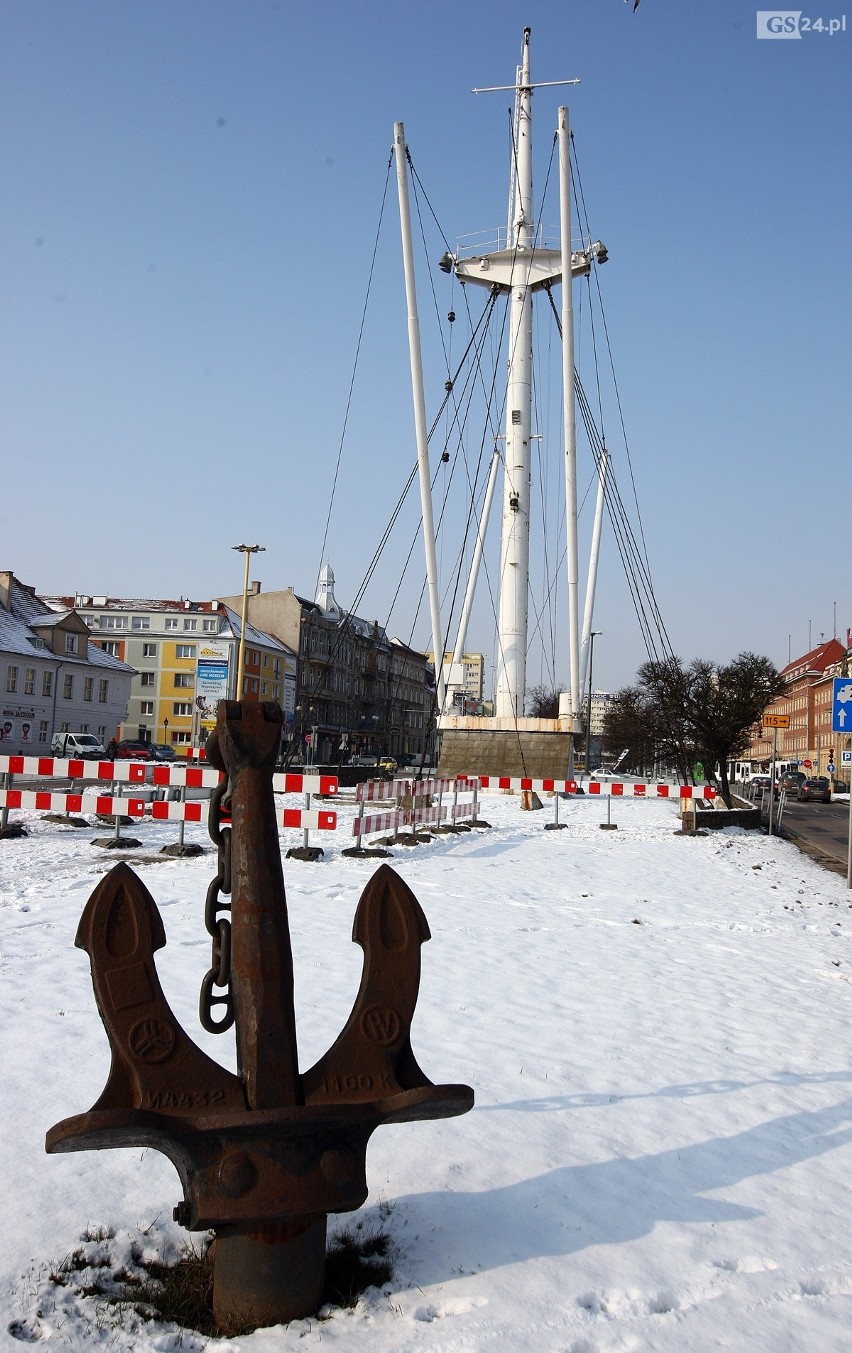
(44, 801)
(417, 812)
(617, 788)
(154, 773)
(47, 801)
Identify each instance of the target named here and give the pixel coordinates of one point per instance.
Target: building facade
(359, 692)
(464, 683)
(185, 658)
(53, 677)
(807, 702)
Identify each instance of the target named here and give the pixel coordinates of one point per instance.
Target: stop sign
(808, 764)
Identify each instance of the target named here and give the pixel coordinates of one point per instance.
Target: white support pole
(594, 557)
(419, 407)
(475, 562)
(570, 429)
(515, 546)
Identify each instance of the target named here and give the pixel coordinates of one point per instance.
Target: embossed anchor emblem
(265, 1155)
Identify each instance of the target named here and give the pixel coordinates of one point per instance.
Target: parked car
(134, 751)
(817, 787)
(161, 751)
(81, 746)
(790, 781)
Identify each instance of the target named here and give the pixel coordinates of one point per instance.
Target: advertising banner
(211, 683)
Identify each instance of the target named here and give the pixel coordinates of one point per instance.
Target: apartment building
(807, 701)
(53, 677)
(360, 693)
(185, 658)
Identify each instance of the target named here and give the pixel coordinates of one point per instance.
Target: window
(88, 687)
(182, 709)
(185, 650)
(103, 691)
(111, 646)
(184, 680)
(190, 623)
(141, 622)
(148, 679)
(47, 683)
(171, 623)
(42, 730)
(181, 739)
(71, 644)
(29, 681)
(210, 626)
(146, 707)
(68, 687)
(113, 622)
(11, 680)
(149, 650)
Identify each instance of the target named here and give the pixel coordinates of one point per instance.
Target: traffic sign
(846, 758)
(841, 705)
(830, 767)
(776, 721)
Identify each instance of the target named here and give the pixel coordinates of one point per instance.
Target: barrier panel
(157, 775)
(617, 788)
(417, 812)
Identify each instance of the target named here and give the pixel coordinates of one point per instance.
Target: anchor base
(270, 1275)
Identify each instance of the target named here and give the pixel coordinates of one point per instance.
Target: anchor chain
(218, 927)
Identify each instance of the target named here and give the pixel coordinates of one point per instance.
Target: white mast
(570, 429)
(518, 271)
(515, 546)
(419, 407)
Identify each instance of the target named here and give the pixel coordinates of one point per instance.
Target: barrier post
(304, 851)
(475, 821)
(555, 825)
(8, 831)
(609, 825)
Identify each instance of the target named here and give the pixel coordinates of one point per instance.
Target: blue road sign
(841, 705)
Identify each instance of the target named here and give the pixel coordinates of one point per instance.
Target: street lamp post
(593, 634)
(248, 551)
(166, 731)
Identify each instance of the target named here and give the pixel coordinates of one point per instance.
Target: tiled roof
(27, 611)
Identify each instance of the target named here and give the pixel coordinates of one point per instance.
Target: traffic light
(831, 754)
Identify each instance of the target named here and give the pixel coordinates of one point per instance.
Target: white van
(84, 746)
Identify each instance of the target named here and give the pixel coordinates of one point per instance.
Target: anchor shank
(261, 956)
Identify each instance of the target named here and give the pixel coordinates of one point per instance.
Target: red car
(134, 751)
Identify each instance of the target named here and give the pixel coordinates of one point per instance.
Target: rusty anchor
(263, 1156)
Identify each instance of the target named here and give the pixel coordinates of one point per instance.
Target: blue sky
(190, 199)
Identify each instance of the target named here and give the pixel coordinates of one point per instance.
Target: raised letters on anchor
(184, 1099)
(351, 1084)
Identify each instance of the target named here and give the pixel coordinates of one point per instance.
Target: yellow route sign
(776, 721)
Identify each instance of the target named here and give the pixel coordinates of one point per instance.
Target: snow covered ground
(657, 1029)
